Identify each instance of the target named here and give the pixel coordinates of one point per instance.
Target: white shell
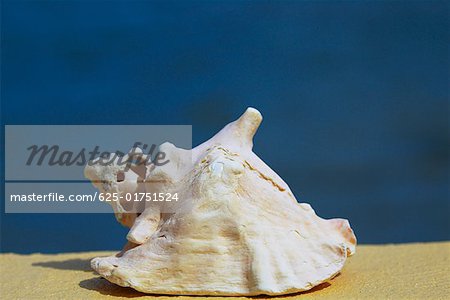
(242, 233)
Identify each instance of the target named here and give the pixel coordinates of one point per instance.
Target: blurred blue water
(354, 95)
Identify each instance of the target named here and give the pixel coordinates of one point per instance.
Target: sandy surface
(408, 271)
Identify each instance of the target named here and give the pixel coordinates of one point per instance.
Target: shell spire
(247, 125)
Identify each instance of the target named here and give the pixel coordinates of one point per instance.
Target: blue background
(354, 97)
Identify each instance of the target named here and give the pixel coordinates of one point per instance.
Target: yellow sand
(408, 271)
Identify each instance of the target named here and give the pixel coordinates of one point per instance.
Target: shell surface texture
(235, 229)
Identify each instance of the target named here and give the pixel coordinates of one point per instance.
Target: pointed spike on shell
(249, 122)
(244, 128)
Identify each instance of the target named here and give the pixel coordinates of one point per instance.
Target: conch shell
(238, 231)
